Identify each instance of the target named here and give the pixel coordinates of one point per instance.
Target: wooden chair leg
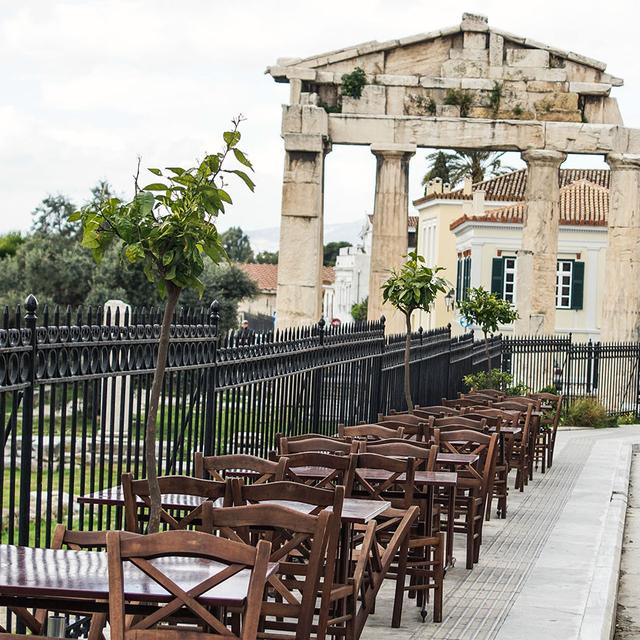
(471, 530)
(439, 579)
(400, 581)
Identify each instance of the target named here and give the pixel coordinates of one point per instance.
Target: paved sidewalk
(525, 576)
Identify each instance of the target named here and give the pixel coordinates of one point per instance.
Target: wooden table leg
(451, 507)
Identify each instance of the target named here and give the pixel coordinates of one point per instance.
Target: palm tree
(480, 165)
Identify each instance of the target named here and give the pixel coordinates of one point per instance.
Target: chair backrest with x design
(218, 468)
(370, 431)
(155, 554)
(379, 477)
(186, 500)
(317, 469)
(305, 547)
(315, 442)
(423, 453)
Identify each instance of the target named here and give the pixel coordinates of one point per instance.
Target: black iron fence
(609, 372)
(74, 391)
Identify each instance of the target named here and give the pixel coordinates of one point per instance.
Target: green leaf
(178, 171)
(245, 178)
(231, 138)
(75, 216)
(156, 186)
(242, 159)
(224, 196)
(134, 253)
(156, 172)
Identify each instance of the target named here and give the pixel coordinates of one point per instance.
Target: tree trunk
(173, 293)
(487, 352)
(407, 365)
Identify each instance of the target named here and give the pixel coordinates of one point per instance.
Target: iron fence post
(31, 305)
(376, 388)
(318, 377)
(210, 410)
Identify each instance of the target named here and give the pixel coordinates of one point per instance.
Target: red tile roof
(512, 186)
(581, 203)
(266, 275)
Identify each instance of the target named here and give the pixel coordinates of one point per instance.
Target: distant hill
(268, 239)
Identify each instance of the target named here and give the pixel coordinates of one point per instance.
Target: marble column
(299, 297)
(390, 226)
(538, 256)
(621, 295)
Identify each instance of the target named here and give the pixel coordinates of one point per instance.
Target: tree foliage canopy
(331, 251)
(237, 245)
(267, 257)
(485, 310)
(414, 286)
(457, 164)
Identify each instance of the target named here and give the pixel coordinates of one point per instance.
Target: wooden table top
(511, 430)
(61, 573)
(458, 458)
(425, 478)
(354, 510)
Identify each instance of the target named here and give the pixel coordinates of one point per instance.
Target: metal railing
(74, 391)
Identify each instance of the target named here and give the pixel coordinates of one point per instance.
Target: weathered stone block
(474, 40)
(529, 73)
(303, 142)
(464, 69)
(527, 58)
(291, 119)
(550, 75)
(373, 100)
(315, 120)
(585, 138)
(481, 112)
(439, 83)
(301, 199)
(295, 91)
(301, 73)
(396, 97)
(543, 86)
(554, 101)
(448, 110)
(397, 81)
(590, 88)
(481, 84)
(480, 55)
(496, 50)
(360, 130)
(325, 77)
(474, 22)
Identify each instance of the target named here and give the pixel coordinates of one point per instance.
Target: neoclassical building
(476, 233)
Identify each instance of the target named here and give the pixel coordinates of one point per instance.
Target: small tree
(412, 287)
(169, 227)
(487, 311)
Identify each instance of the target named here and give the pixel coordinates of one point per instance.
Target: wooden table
(72, 581)
(354, 510)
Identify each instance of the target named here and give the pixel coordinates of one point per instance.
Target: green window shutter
(577, 285)
(467, 276)
(497, 276)
(459, 281)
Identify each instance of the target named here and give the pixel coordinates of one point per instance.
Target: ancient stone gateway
(468, 87)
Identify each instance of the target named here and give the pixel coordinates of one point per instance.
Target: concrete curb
(599, 618)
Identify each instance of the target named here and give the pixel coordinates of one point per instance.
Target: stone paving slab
(537, 566)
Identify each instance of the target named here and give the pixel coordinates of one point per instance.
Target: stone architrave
(390, 212)
(537, 258)
(621, 297)
(299, 293)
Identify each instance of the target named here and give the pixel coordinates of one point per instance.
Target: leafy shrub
(628, 418)
(550, 388)
(494, 379)
(461, 98)
(353, 83)
(588, 412)
(359, 310)
(518, 390)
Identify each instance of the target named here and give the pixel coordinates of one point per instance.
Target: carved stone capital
(544, 157)
(393, 150)
(623, 161)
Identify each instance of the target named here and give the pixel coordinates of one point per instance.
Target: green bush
(359, 310)
(550, 388)
(588, 412)
(494, 379)
(628, 418)
(518, 390)
(353, 83)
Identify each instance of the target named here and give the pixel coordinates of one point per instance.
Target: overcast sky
(86, 85)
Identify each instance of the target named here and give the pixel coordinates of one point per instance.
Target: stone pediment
(470, 70)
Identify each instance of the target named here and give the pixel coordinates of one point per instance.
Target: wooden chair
(481, 397)
(473, 484)
(370, 432)
(77, 541)
(551, 405)
(193, 498)
(424, 454)
(421, 551)
(414, 426)
(315, 442)
(492, 393)
(437, 411)
(526, 406)
(460, 403)
(324, 470)
(338, 598)
(460, 422)
(218, 467)
(140, 551)
(305, 547)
